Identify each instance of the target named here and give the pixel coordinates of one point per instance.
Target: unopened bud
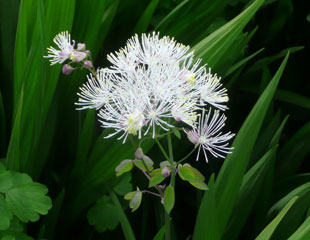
(77, 56)
(81, 47)
(139, 154)
(165, 172)
(88, 53)
(88, 64)
(67, 69)
(193, 137)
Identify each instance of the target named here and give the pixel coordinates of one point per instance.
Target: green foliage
(169, 198)
(43, 138)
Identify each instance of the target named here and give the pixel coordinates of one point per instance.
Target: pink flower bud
(67, 69)
(139, 154)
(81, 47)
(88, 53)
(88, 64)
(165, 172)
(77, 56)
(193, 137)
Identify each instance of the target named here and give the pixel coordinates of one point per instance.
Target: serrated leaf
(156, 177)
(124, 185)
(10, 179)
(169, 198)
(124, 166)
(188, 173)
(135, 201)
(6, 214)
(268, 231)
(103, 215)
(28, 200)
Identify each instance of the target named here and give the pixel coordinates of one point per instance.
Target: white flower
(213, 93)
(208, 136)
(96, 91)
(63, 41)
(152, 81)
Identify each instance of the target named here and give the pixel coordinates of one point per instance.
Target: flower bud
(193, 137)
(139, 154)
(165, 172)
(81, 47)
(88, 64)
(77, 56)
(67, 69)
(88, 53)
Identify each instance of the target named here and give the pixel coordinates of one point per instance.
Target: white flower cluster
(151, 83)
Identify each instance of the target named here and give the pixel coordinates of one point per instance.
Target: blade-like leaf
(303, 232)
(268, 231)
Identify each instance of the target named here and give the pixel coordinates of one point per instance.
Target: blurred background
(43, 135)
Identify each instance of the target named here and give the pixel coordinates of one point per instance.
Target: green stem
(171, 160)
(193, 150)
(162, 149)
(167, 226)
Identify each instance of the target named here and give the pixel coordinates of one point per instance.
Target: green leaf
(127, 230)
(10, 179)
(296, 214)
(135, 201)
(161, 233)
(28, 200)
(13, 154)
(199, 185)
(156, 177)
(303, 232)
(124, 166)
(169, 198)
(176, 133)
(147, 161)
(103, 215)
(124, 185)
(249, 191)
(129, 196)
(214, 47)
(231, 174)
(6, 214)
(206, 226)
(268, 231)
(2, 168)
(145, 18)
(188, 173)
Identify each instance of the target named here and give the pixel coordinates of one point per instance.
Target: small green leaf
(169, 198)
(6, 214)
(124, 166)
(164, 164)
(129, 196)
(135, 201)
(103, 215)
(200, 185)
(124, 185)
(268, 231)
(176, 133)
(147, 161)
(188, 173)
(156, 177)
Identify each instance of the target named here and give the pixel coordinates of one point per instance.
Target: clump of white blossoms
(153, 86)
